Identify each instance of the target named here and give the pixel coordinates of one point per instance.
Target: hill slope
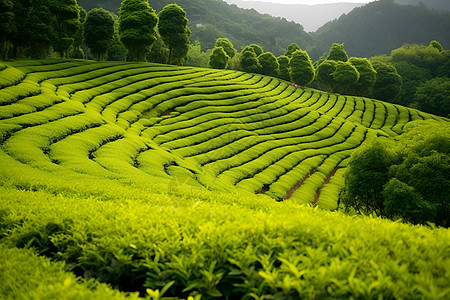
(381, 26)
(219, 129)
(104, 167)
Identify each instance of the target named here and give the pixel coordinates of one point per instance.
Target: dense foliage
(219, 58)
(409, 182)
(425, 76)
(172, 27)
(137, 28)
(98, 32)
(301, 69)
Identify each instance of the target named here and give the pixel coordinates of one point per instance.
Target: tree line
(36, 28)
(414, 75)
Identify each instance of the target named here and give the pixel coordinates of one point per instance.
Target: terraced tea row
(219, 129)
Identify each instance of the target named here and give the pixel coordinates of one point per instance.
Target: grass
(196, 183)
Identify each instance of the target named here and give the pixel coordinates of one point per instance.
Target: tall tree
(98, 32)
(7, 26)
(344, 77)
(301, 68)
(137, 28)
(227, 46)
(249, 61)
(324, 74)
(66, 23)
(40, 32)
(76, 50)
(388, 84)
(257, 49)
(366, 175)
(367, 76)
(433, 96)
(283, 61)
(291, 49)
(19, 39)
(219, 58)
(173, 29)
(269, 64)
(337, 53)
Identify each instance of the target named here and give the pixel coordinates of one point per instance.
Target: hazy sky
(312, 1)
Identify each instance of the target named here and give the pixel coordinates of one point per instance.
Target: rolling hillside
(218, 129)
(194, 182)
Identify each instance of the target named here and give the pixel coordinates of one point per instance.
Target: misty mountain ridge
(432, 4)
(311, 17)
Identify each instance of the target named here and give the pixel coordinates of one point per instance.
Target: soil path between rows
(327, 180)
(298, 185)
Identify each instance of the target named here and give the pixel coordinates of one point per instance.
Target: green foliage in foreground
(240, 247)
(24, 275)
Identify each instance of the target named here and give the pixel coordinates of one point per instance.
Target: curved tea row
(218, 129)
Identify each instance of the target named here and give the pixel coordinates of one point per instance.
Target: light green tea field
(126, 180)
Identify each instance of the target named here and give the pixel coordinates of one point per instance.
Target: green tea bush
(25, 275)
(10, 76)
(223, 249)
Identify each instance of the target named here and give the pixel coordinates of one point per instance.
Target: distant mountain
(433, 4)
(311, 17)
(211, 19)
(381, 26)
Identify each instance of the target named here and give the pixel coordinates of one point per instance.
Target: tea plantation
(127, 180)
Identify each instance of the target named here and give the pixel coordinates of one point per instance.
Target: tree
(117, 51)
(227, 46)
(430, 57)
(291, 49)
(269, 64)
(436, 45)
(76, 50)
(411, 181)
(249, 61)
(433, 96)
(196, 57)
(137, 28)
(388, 84)
(66, 23)
(98, 32)
(366, 175)
(159, 53)
(301, 69)
(324, 74)
(344, 77)
(219, 58)
(41, 34)
(257, 49)
(283, 61)
(367, 76)
(403, 201)
(337, 53)
(412, 77)
(173, 29)
(19, 38)
(7, 26)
